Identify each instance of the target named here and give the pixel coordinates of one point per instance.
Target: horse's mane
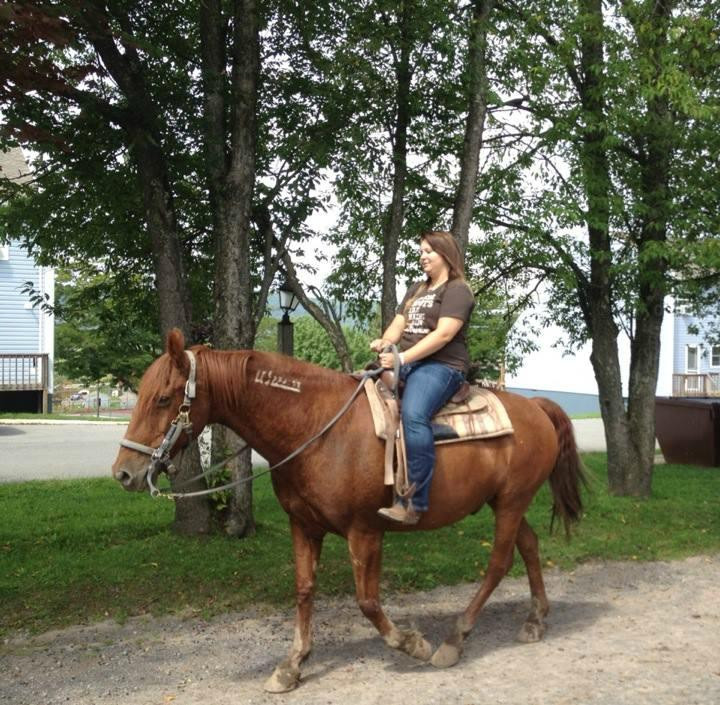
(229, 371)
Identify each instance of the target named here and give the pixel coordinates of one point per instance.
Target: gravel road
(619, 633)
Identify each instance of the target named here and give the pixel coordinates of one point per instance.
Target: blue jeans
(428, 386)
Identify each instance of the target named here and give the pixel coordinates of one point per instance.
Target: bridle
(160, 457)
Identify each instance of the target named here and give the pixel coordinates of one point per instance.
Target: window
(715, 356)
(691, 368)
(4, 252)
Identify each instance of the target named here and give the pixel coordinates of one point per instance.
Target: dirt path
(618, 633)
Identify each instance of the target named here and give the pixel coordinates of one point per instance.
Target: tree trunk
(477, 108)
(173, 297)
(192, 515)
(394, 221)
(622, 455)
(630, 433)
(231, 179)
(621, 451)
(239, 520)
(655, 158)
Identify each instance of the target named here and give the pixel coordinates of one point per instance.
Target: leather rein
(160, 457)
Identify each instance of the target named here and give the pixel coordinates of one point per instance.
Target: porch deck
(23, 372)
(696, 385)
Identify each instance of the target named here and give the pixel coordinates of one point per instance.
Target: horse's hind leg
(507, 521)
(366, 557)
(307, 553)
(534, 626)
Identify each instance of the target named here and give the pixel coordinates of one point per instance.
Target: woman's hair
(447, 247)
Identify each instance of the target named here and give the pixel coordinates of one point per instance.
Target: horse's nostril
(123, 477)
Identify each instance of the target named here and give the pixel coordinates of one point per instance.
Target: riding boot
(401, 513)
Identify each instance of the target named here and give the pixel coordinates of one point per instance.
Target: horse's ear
(175, 347)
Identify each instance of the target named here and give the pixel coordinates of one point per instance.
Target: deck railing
(23, 371)
(696, 385)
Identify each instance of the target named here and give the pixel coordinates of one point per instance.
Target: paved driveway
(41, 451)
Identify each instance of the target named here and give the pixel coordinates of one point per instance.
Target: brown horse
(277, 403)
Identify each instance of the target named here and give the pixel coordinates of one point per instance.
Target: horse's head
(162, 400)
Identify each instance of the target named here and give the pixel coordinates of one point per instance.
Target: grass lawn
(80, 550)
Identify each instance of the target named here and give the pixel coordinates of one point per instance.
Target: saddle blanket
(481, 415)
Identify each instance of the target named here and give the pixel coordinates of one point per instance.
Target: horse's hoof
(410, 642)
(283, 679)
(447, 655)
(421, 649)
(530, 632)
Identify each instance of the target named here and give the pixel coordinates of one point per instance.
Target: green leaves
(106, 327)
(312, 344)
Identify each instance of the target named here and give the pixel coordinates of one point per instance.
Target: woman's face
(432, 263)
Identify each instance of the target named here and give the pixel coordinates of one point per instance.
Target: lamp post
(288, 303)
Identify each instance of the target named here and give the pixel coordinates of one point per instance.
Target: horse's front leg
(307, 554)
(366, 557)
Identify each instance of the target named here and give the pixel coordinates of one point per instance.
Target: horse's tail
(567, 475)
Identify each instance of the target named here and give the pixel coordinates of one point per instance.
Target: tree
(77, 79)
(477, 96)
(230, 131)
(121, 78)
(113, 97)
(497, 339)
(624, 109)
(313, 345)
(391, 73)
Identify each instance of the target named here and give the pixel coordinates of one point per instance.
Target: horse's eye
(163, 401)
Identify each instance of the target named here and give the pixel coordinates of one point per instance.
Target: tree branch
(332, 327)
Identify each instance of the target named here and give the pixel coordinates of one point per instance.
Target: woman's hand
(390, 335)
(387, 359)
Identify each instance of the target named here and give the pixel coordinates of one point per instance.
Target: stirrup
(407, 493)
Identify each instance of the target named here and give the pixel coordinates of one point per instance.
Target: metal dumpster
(688, 430)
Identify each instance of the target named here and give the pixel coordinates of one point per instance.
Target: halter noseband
(160, 456)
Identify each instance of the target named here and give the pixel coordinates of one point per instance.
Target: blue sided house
(26, 333)
(696, 355)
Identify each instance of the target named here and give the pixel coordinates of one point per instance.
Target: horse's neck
(271, 401)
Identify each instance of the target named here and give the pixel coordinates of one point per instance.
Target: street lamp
(288, 303)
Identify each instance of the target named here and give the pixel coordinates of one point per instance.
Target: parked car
(76, 396)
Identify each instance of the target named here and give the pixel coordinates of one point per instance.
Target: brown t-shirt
(453, 299)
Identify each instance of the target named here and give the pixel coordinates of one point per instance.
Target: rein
(160, 456)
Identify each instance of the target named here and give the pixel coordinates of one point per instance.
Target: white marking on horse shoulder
(270, 379)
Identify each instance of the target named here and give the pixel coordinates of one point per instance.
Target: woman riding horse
(429, 328)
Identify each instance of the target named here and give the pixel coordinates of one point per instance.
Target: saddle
(473, 413)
